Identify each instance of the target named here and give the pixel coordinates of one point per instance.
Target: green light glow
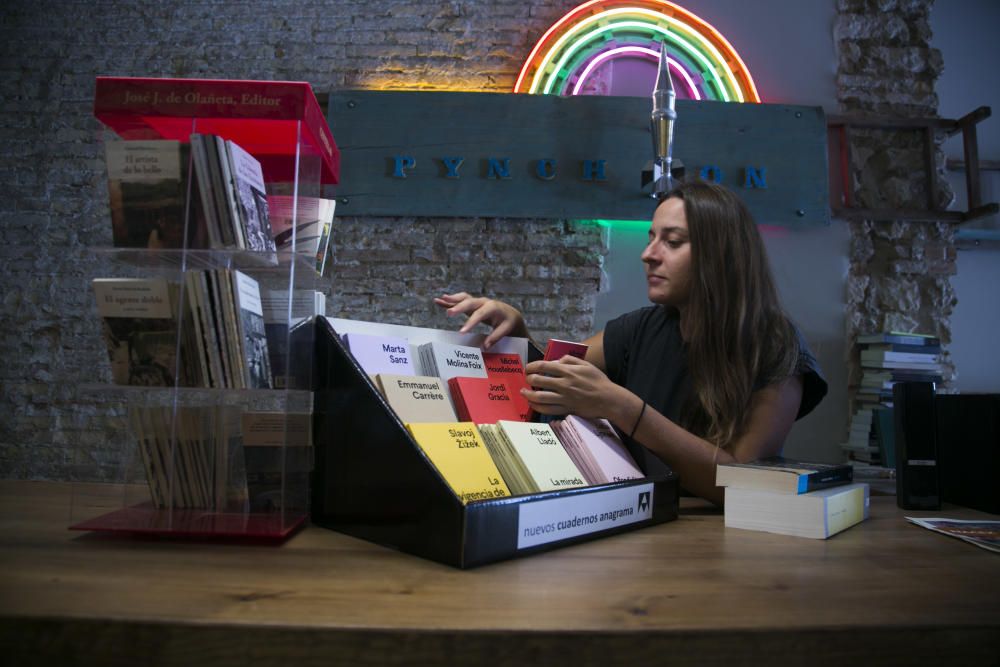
(626, 225)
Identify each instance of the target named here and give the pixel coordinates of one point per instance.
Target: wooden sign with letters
(445, 154)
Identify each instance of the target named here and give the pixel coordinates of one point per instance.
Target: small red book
(483, 400)
(554, 351)
(557, 349)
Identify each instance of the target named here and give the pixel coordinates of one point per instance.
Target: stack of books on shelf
(148, 184)
(779, 495)
(205, 183)
(285, 314)
(460, 404)
(530, 456)
(223, 458)
(886, 358)
(223, 342)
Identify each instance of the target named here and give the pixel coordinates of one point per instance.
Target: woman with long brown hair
(713, 371)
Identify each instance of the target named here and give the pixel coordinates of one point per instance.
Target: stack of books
(530, 457)
(416, 398)
(779, 495)
(459, 454)
(886, 358)
(223, 341)
(465, 411)
(596, 450)
(483, 400)
(148, 182)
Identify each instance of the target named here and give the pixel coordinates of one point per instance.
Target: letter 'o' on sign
(577, 55)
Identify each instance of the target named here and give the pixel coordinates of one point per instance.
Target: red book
(507, 366)
(554, 351)
(557, 349)
(264, 117)
(483, 400)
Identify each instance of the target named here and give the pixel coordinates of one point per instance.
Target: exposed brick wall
(899, 271)
(54, 213)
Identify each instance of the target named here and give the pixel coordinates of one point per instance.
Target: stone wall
(54, 215)
(899, 271)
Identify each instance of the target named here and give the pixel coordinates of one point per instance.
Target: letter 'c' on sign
(545, 169)
(401, 164)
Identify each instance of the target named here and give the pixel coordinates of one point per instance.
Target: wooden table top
(691, 590)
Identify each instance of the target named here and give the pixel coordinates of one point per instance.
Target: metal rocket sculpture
(662, 125)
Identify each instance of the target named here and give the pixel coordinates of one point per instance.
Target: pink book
(605, 447)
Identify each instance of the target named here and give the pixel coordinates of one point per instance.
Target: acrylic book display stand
(248, 449)
(372, 480)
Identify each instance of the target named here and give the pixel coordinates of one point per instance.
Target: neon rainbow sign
(704, 64)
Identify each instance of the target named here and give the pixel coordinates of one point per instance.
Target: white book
(417, 399)
(381, 354)
(818, 514)
(542, 454)
(304, 303)
(914, 357)
(446, 360)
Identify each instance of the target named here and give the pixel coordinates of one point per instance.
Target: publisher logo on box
(643, 501)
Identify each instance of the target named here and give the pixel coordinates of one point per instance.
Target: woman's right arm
(504, 318)
(506, 321)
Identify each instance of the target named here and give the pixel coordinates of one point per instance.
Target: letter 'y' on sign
(452, 164)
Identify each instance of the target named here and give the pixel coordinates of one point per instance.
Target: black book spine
(824, 479)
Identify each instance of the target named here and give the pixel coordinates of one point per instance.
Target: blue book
(782, 475)
(899, 338)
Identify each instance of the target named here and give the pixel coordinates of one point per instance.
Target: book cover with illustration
(251, 198)
(147, 188)
(253, 337)
(139, 325)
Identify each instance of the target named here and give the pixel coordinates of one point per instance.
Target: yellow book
(460, 455)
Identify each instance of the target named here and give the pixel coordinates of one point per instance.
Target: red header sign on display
(270, 119)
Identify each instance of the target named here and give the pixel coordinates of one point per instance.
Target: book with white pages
(542, 454)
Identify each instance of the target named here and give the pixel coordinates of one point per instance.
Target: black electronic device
(918, 485)
(968, 437)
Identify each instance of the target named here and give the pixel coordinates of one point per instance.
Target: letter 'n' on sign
(754, 177)
(498, 167)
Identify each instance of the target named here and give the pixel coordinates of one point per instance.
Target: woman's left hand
(571, 386)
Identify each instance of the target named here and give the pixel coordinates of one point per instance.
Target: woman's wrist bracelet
(638, 419)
